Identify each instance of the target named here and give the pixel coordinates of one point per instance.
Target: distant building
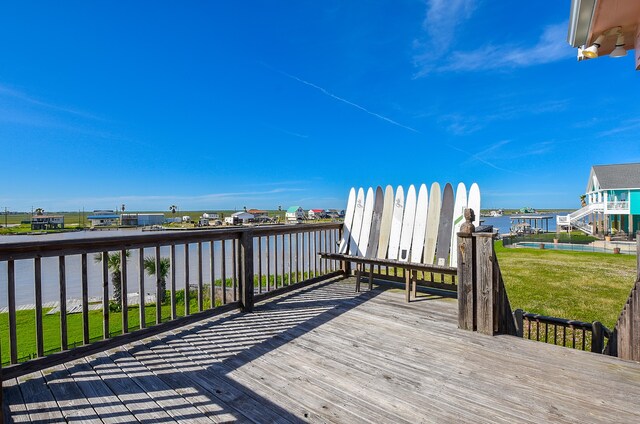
(47, 222)
(294, 214)
(316, 213)
(257, 213)
(208, 219)
(103, 218)
(241, 217)
(333, 214)
(141, 219)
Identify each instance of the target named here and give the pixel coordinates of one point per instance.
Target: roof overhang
(580, 21)
(591, 18)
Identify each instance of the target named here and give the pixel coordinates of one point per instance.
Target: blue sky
(220, 105)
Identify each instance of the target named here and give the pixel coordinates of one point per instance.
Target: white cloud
(442, 19)
(550, 47)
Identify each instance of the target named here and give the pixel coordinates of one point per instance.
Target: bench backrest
(417, 227)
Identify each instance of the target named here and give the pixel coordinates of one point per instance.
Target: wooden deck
(327, 354)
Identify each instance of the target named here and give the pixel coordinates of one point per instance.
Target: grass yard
(575, 285)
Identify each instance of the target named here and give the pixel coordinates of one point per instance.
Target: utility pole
(5, 217)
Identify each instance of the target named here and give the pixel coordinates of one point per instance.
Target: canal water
(503, 223)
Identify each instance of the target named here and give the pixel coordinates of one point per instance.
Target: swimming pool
(628, 249)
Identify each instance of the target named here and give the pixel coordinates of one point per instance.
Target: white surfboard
(385, 223)
(433, 220)
(420, 226)
(408, 222)
(366, 222)
(374, 235)
(358, 213)
(348, 221)
(396, 224)
(474, 202)
(458, 218)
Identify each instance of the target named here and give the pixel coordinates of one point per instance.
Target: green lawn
(575, 285)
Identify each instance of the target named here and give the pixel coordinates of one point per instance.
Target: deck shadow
(189, 373)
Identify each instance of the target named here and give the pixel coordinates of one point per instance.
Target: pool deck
(327, 354)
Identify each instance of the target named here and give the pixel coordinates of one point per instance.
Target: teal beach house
(610, 204)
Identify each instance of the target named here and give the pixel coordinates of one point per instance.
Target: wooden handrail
(231, 259)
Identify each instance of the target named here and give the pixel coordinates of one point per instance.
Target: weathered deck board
(70, 399)
(327, 354)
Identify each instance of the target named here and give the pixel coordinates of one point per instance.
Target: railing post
(246, 270)
(486, 290)
(466, 276)
(518, 315)
(638, 256)
(597, 337)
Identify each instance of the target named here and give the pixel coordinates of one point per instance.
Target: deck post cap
(467, 227)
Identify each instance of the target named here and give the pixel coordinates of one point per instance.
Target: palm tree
(150, 266)
(173, 209)
(39, 211)
(113, 262)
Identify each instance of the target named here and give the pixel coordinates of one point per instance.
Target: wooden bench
(382, 229)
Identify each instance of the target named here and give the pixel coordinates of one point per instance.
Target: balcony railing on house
(205, 272)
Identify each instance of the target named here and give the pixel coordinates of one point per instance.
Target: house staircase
(575, 219)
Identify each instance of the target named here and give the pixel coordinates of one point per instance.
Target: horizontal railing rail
(179, 277)
(589, 336)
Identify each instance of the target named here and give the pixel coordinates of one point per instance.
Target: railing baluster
(187, 295)
(275, 261)
(315, 250)
(573, 337)
(234, 270)
(106, 330)
(62, 278)
(212, 273)
(297, 255)
(290, 259)
(159, 292)
(268, 263)
(37, 267)
(172, 273)
(282, 256)
(224, 272)
(308, 254)
(200, 293)
(323, 249)
(546, 332)
(123, 291)
(141, 296)
(259, 264)
(85, 300)
(11, 302)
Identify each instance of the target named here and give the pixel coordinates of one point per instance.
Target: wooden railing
(589, 336)
(206, 272)
(483, 304)
(626, 335)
